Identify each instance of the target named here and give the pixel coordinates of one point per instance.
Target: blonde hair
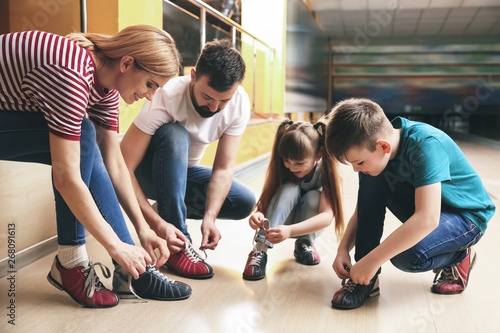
(298, 141)
(152, 48)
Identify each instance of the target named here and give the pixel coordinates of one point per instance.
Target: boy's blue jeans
(24, 137)
(290, 207)
(180, 192)
(446, 245)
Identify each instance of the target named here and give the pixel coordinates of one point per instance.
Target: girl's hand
(150, 241)
(255, 220)
(278, 234)
(133, 258)
(342, 265)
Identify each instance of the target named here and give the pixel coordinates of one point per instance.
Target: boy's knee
(408, 262)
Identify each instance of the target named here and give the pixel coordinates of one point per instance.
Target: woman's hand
(278, 234)
(133, 258)
(255, 220)
(150, 241)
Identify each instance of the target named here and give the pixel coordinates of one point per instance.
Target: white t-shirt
(173, 104)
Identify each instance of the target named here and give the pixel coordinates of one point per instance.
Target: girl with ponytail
(301, 196)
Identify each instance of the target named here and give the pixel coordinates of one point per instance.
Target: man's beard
(203, 111)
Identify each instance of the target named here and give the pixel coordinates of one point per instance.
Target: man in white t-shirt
(164, 145)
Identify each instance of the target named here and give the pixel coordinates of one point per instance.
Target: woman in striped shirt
(57, 95)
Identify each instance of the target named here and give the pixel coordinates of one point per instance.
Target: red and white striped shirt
(40, 71)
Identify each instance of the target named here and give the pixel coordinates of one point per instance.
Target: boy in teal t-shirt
(421, 175)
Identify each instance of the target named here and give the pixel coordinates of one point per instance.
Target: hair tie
(289, 123)
(320, 128)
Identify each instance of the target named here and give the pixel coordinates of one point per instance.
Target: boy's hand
(255, 220)
(363, 271)
(277, 234)
(342, 265)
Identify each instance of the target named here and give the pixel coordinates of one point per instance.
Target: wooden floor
(293, 298)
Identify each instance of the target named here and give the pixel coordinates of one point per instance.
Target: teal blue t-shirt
(427, 155)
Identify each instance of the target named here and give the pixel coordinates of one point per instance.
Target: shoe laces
(448, 273)
(151, 269)
(92, 282)
(307, 248)
(266, 223)
(349, 285)
(256, 258)
(192, 254)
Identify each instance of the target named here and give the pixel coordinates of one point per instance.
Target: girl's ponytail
(332, 183)
(273, 176)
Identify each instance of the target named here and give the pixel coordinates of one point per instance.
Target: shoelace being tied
(92, 282)
(192, 254)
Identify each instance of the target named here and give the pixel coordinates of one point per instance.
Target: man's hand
(211, 235)
(174, 237)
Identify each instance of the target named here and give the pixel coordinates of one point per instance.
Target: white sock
(72, 256)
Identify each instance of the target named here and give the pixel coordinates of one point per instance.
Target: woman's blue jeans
(290, 206)
(180, 191)
(446, 245)
(24, 137)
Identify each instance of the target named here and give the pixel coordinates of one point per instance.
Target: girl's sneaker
(353, 295)
(189, 264)
(305, 253)
(82, 284)
(454, 278)
(151, 284)
(255, 268)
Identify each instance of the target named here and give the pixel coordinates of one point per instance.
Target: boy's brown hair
(355, 122)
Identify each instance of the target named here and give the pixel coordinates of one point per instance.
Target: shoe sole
(60, 287)
(132, 296)
(375, 292)
(466, 283)
(305, 263)
(195, 277)
(253, 278)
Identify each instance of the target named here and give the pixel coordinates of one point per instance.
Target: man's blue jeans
(446, 245)
(180, 191)
(290, 206)
(24, 137)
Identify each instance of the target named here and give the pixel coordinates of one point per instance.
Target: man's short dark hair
(222, 64)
